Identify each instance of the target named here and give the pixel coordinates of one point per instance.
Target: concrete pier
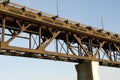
(87, 71)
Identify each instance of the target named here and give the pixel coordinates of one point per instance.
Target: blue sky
(84, 11)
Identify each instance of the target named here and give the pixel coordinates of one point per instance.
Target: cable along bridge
(50, 37)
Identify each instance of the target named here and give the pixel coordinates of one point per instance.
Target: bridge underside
(27, 33)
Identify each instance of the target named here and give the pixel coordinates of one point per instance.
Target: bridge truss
(30, 33)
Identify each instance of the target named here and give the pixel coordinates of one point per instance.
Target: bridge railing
(59, 18)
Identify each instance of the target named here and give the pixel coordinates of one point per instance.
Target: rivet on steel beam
(89, 28)
(55, 17)
(66, 21)
(116, 35)
(5, 2)
(100, 30)
(78, 24)
(40, 13)
(108, 33)
(23, 9)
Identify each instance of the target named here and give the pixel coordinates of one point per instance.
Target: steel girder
(28, 33)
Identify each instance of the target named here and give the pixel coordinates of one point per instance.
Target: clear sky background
(84, 11)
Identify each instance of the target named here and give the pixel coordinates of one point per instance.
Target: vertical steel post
(90, 47)
(79, 50)
(99, 55)
(3, 29)
(67, 42)
(30, 41)
(57, 45)
(40, 35)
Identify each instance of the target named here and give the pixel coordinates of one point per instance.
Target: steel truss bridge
(26, 32)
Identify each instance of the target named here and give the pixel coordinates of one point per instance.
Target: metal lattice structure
(30, 33)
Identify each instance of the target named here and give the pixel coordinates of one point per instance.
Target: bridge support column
(87, 71)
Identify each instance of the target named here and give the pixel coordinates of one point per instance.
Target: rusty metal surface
(54, 38)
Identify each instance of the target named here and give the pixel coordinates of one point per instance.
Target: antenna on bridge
(57, 4)
(102, 23)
